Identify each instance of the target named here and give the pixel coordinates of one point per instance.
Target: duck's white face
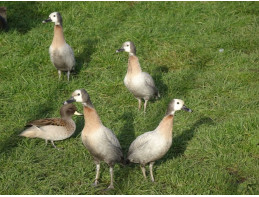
(77, 95)
(176, 105)
(54, 18)
(126, 47)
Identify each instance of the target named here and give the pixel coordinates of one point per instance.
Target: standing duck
(139, 83)
(53, 129)
(100, 141)
(61, 54)
(153, 145)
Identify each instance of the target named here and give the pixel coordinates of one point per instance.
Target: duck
(53, 129)
(153, 145)
(3, 18)
(139, 83)
(61, 54)
(100, 141)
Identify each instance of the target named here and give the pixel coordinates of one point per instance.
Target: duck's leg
(46, 142)
(111, 174)
(68, 73)
(53, 144)
(139, 103)
(151, 171)
(145, 106)
(98, 165)
(59, 74)
(143, 169)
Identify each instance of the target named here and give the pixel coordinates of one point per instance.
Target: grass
(214, 150)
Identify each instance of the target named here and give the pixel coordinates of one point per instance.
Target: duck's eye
(54, 15)
(78, 94)
(127, 45)
(178, 103)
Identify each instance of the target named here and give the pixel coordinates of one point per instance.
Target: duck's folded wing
(141, 142)
(149, 80)
(48, 121)
(112, 137)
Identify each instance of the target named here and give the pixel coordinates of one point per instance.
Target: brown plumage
(53, 129)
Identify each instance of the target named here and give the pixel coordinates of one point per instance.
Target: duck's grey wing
(150, 82)
(114, 144)
(112, 137)
(140, 143)
(70, 58)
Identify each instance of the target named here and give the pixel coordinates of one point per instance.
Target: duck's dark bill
(47, 20)
(186, 109)
(71, 100)
(120, 50)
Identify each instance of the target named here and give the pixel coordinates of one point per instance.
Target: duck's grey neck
(66, 117)
(58, 39)
(88, 103)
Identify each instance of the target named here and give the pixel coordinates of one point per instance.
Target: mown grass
(215, 149)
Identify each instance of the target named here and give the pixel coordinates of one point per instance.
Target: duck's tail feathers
(31, 132)
(124, 161)
(157, 95)
(127, 162)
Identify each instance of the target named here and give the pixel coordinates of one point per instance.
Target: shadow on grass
(187, 81)
(127, 134)
(180, 142)
(11, 142)
(14, 139)
(126, 137)
(79, 126)
(41, 111)
(84, 58)
(23, 16)
(162, 87)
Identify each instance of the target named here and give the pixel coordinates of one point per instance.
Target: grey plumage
(139, 83)
(100, 141)
(143, 88)
(62, 57)
(61, 54)
(106, 148)
(153, 145)
(148, 147)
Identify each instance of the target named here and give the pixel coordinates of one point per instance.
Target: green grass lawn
(215, 148)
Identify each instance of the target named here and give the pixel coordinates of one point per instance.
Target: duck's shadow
(14, 139)
(84, 58)
(79, 126)
(161, 86)
(126, 137)
(127, 132)
(180, 142)
(20, 15)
